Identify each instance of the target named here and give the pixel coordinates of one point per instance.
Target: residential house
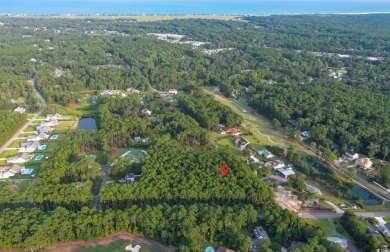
(8, 171)
(108, 92)
(265, 153)
(241, 143)
(222, 132)
(20, 158)
(312, 189)
(38, 137)
(44, 129)
(55, 116)
(366, 163)
(342, 242)
(223, 249)
(286, 173)
(15, 169)
(130, 179)
(51, 123)
(276, 164)
(350, 155)
(172, 92)
(233, 132)
(138, 139)
(29, 146)
(306, 134)
(20, 110)
(146, 112)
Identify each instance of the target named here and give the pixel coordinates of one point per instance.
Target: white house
(44, 129)
(276, 164)
(37, 138)
(20, 110)
(8, 171)
(51, 123)
(350, 155)
(172, 91)
(286, 173)
(29, 146)
(342, 242)
(306, 134)
(265, 153)
(146, 111)
(55, 116)
(20, 158)
(364, 162)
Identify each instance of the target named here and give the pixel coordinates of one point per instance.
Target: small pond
(367, 197)
(87, 123)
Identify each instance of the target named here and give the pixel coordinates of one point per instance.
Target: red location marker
(225, 169)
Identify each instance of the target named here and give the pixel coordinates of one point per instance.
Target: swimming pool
(42, 147)
(39, 157)
(53, 137)
(26, 171)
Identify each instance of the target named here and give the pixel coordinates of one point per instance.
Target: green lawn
(117, 246)
(322, 223)
(387, 219)
(8, 153)
(15, 144)
(255, 123)
(97, 155)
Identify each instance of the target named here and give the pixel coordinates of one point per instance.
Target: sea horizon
(192, 7)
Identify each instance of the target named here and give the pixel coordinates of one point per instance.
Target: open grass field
(66, 124)
(322, 223)
(387, 219)
(117, 246)
(97, 155)
(256, 123)
(8, 153)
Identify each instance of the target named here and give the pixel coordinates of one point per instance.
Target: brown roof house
(223, 249)
(20, 158)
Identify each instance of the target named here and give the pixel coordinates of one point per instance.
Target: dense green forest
(283, 66)
(272, 65)
(9, 123)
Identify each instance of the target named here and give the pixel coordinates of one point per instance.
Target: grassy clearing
(322, 223)
(66, 124)
(8, 153)
(97, 155)
(387, 219)
(15, 144)
(377, 208)
(254, 122)
(116, 247)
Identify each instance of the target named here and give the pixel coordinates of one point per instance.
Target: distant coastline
(192, 7)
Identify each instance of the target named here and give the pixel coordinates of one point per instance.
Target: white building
(350, 155)
(265, 153)
(364, 162)
(20, 158)
(20, 110)
(172, 91)
(29, 146)
(55, 116)
(37, 138)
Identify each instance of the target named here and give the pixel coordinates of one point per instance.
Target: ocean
(191, 6)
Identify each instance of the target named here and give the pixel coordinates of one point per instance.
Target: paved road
(16, 134)
(104, 172)
(24, 127)
(330, 215)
